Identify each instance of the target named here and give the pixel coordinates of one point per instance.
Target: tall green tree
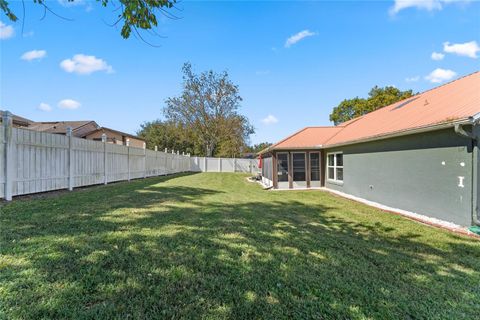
(259, 147)
(209, 107)
(163, 134)
(134, 14)
(377, 98)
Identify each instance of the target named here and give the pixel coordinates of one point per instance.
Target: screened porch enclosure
(297, 169)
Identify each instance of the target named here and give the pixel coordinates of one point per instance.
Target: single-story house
(419, 156)
(89, 130)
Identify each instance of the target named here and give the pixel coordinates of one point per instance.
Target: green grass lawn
(215, 246)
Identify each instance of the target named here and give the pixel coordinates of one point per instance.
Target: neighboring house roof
(451, 103)
(80, 129)
(17, 120)
(105, 129)
(60, 127)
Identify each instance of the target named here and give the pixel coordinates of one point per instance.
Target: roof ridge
(308, 127)
(441, 85)
(288, 137)
(336, 133)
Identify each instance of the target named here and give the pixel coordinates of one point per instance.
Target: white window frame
(335, 167)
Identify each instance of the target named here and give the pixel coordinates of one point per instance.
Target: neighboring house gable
(17, 120)
(115, 136)
(79, 128)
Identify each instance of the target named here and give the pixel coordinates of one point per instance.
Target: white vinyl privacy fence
(207, 164)
(32, 162)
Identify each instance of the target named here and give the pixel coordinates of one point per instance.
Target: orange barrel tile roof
(453, 102)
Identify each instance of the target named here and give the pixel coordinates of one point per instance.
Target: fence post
(70, 159)
(104, 140)
(165, 162)
(234, 164)
(165, 171)
(182, 162)
(144, 160)
(205, 164)
(128, 158)
(156, 160)
(219, 164)
(7, 126)
(251, 166)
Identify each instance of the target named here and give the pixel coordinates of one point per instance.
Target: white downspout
(473, 121)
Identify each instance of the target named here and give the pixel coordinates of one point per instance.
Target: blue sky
(83, 69)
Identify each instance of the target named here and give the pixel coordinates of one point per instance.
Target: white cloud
(412, 79)
(298, 37)
(467, 49)
(34, 54)
(439, 75)
(83, 64)
(44, 107)
(6, 31)
(437, 56)
(69, 104)
(270, 119)
(429, 5)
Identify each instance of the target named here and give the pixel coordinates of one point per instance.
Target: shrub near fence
(32, 161)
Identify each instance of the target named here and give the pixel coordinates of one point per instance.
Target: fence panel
(40, 162)
(136, 162)
(32, 161)
(202, 164)
(151, 168)
(212, 165)
(88, 162)
(228, 164)
(198, 164)
(2, 161)
(117, 162)
(243, 165)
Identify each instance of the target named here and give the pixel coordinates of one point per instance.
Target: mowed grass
(215, 246)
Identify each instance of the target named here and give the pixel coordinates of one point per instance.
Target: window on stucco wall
(335, 166)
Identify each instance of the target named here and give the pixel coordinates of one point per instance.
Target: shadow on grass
(162, 251)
